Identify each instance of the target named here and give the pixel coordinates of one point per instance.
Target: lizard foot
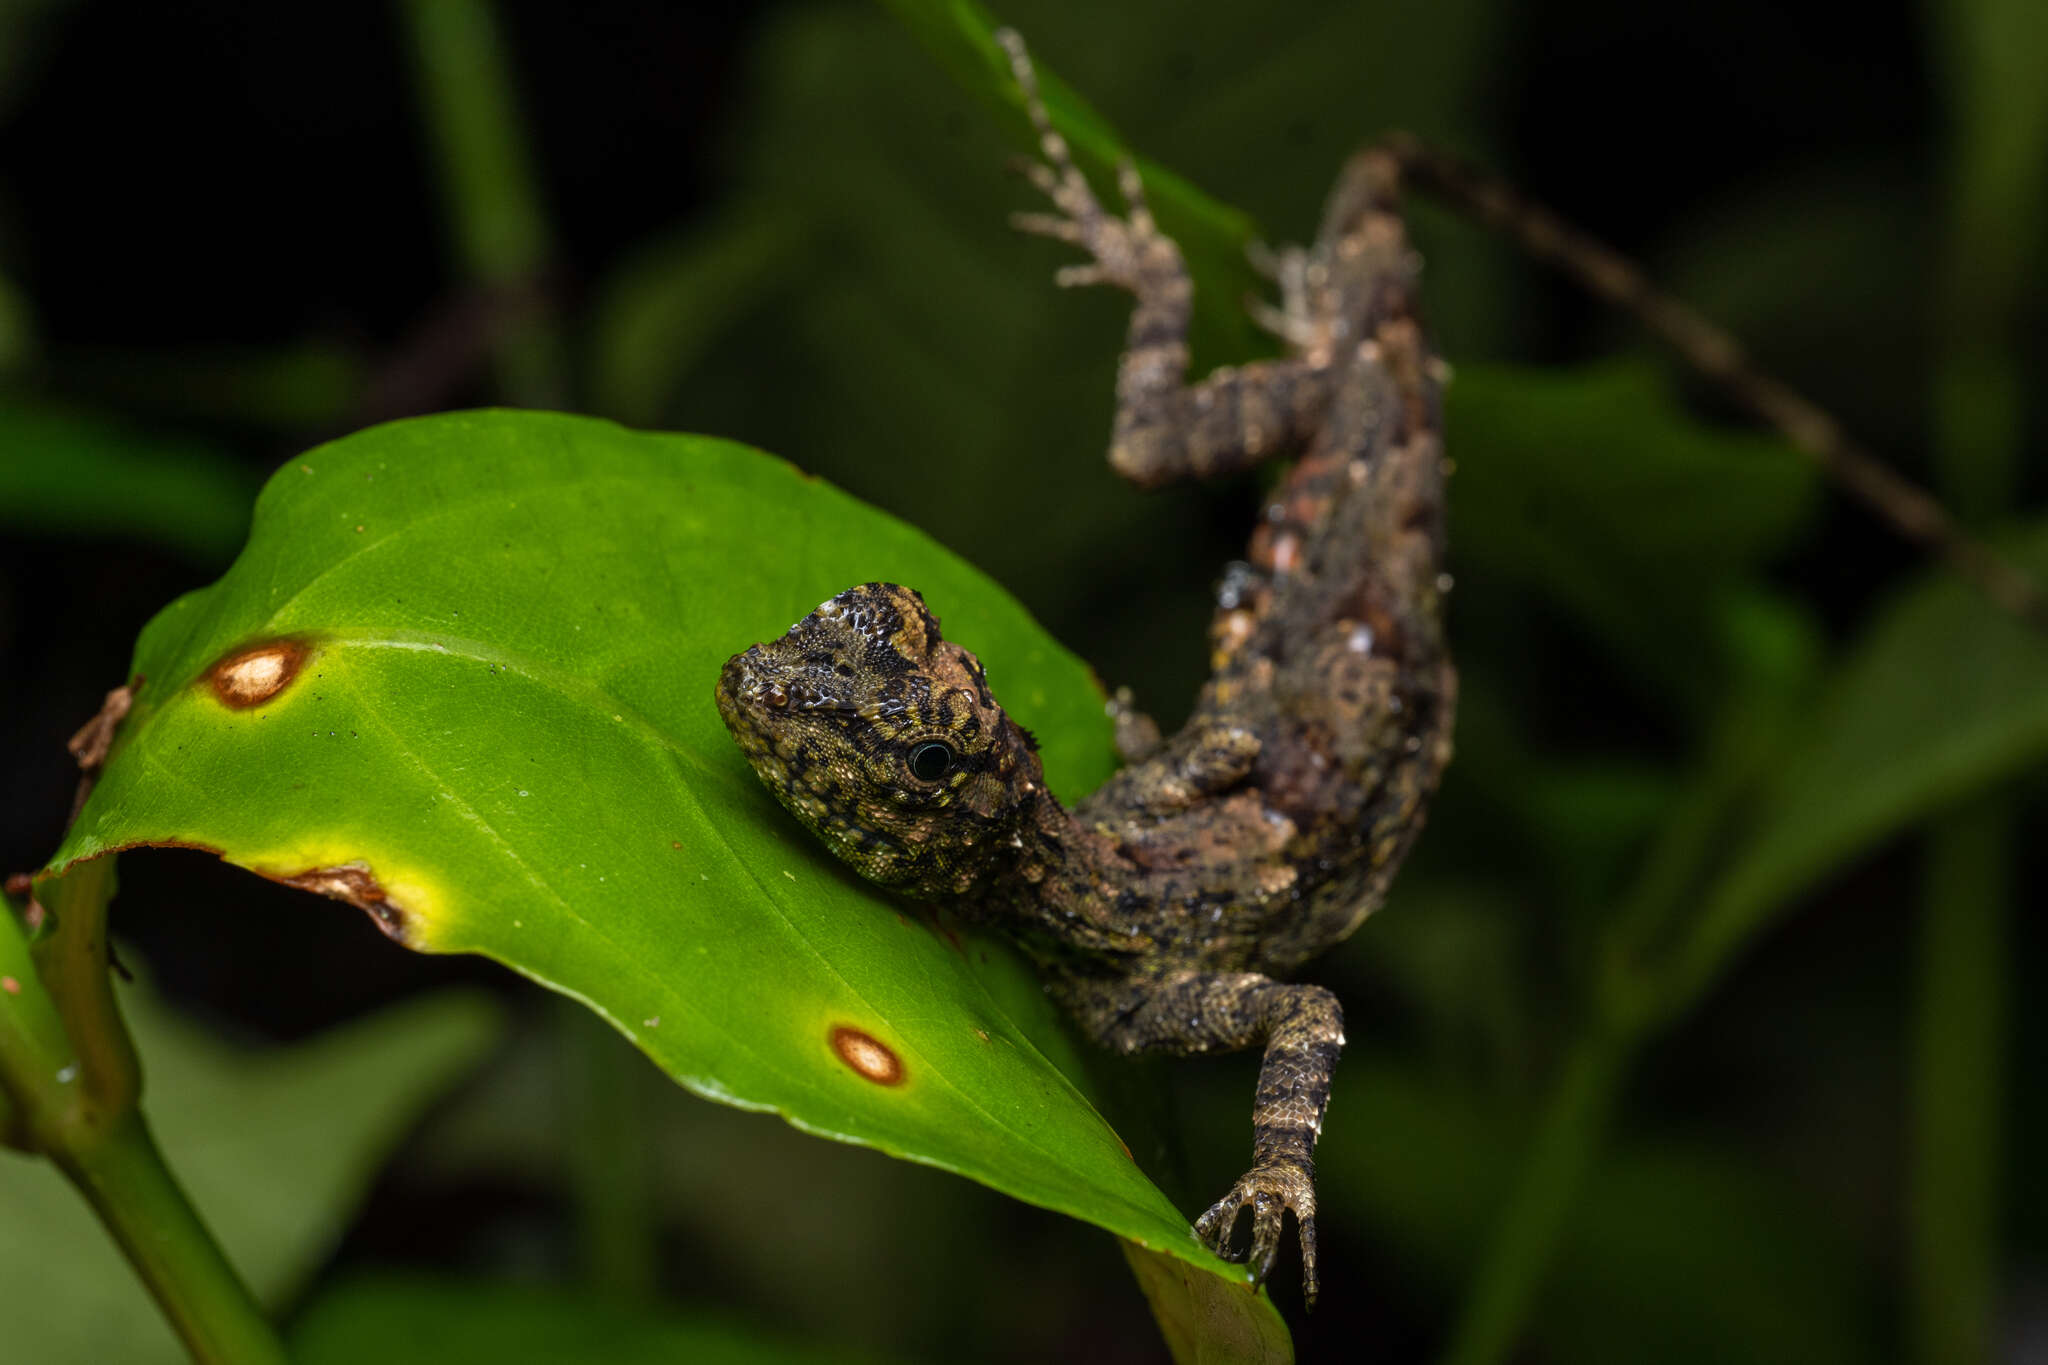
(1270, 1191)
(1130, 252)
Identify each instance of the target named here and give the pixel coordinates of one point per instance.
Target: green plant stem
(1959, 1006)
(38, 1066)
(72, 960)
(1630, 1002)
(1996, 153)
(123, 1176)
(500, 231)
(609, 1170)
(69, 1073)
(1567, 1138)
(1957, 1069)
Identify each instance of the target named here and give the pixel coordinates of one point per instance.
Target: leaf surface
(485, 646)
(1943, 696)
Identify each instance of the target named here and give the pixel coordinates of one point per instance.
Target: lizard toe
(1269, 1193)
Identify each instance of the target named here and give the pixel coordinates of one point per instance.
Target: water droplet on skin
(524, 792)
(68, 1074)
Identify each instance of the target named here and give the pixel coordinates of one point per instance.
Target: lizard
(1168, 909)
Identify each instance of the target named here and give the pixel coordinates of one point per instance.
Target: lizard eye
(930, 760)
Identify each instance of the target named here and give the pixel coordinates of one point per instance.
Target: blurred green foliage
(1628, 1042)
(277, 1146)
(424, 1321)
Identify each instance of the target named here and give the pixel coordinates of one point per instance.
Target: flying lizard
(1167, 910)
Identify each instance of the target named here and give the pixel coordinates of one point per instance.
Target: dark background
(223, 238)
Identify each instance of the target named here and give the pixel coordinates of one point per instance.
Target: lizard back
(1284, 806)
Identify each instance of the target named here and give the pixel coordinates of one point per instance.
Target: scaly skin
(1163, 910)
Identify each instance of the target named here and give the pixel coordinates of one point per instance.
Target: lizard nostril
(772, 695)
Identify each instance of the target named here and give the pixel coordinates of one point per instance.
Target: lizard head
(881, 737)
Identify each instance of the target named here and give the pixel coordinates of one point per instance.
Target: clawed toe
(1270, 1194)
(1050, 225)
(1124, 248)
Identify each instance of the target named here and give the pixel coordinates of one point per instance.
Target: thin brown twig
(1895, 500)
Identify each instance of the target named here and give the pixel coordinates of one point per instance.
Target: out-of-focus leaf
(663, 308)
(1787, 267)
(1212, 235)
(1207, 1320)
(432, 1321)
(291, 388)
(274, 1147)
(67, 474)
(491, 724)
(1943, 696)
(1674, 1253)
(1594, 488)
(1269, 108)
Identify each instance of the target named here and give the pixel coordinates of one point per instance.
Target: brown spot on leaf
(253, 675)
(867, 1055)
(354, 883)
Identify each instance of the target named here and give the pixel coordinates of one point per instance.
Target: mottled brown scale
(1165, 908)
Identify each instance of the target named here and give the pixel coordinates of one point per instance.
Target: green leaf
(664, 308)
(1659, 1219)
(87, 476)
(1207, 1320)
(1943, 696)
(500, 739)
(275, 1147)
(423, 1321)
(1595, 488)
